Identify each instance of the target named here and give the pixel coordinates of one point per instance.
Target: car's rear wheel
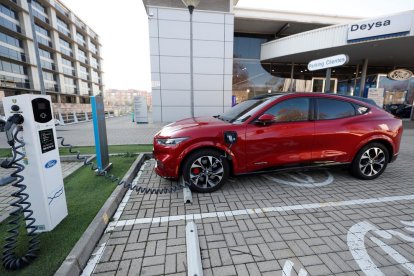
(205, 170)
(370, 162)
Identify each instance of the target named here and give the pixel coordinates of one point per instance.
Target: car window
(291, 110)
(334, 109)
(360, 109)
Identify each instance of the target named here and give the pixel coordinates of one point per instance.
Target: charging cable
(21, 206)
(125, 184)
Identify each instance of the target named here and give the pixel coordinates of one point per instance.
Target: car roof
(269, 95)
(316, 94)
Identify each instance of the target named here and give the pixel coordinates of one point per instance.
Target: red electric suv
(279, 132)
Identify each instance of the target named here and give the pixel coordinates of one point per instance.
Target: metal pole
(355, 80)
(36, 46)
(191, 8)
(328, 81)
(363, 78)
(412, 111)
(291, 77)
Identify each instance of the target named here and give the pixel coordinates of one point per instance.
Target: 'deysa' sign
(380, 26)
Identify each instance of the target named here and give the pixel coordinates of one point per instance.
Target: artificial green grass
(91, 149)
(85, 195)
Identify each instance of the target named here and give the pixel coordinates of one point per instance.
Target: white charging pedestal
(43, 172)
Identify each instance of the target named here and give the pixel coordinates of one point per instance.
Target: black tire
(205, 170)
(370, 162)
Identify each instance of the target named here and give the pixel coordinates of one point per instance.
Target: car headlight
(171, 141)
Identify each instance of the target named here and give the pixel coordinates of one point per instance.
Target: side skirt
(302, 167)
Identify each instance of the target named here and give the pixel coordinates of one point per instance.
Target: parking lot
(307, 223)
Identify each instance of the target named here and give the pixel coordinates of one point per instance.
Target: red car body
(260, 147)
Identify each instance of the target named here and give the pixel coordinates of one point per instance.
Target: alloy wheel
(372, 161)
(206, 171)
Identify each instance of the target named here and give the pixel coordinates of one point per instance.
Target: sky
(123, 29)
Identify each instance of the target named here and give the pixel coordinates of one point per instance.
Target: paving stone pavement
(310, 223)
(5, 191)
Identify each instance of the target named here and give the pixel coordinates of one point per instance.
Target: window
(360, 109)
(334, 109)
(10, 40)
(13, 54)
(45, 54)
(292, 110)
(80, 39)
(12, 68)
(67, 62)
(10, 25)
(38, 6)
(39, 11)
(63, 27)
(8, 11)
(64, 43)
(93, 48)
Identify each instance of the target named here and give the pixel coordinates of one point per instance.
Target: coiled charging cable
(123, 183)
(21, 206)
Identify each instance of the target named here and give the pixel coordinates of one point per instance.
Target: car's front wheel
(370, 162)
(205, 170)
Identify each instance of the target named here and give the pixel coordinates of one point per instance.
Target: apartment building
(69, 50)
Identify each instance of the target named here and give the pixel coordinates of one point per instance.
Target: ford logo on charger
(50, 164)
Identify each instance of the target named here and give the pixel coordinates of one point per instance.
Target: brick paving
(5, 191)
(311, 223)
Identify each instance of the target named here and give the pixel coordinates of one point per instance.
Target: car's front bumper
(165, 165)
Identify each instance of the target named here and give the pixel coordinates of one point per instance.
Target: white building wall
(169, 31)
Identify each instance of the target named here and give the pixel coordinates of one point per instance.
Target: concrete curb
(80, 253)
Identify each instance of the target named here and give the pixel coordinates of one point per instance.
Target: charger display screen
(47, 140)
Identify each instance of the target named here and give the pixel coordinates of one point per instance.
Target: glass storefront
(252, 78)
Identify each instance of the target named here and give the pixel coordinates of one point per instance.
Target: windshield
(244, 110)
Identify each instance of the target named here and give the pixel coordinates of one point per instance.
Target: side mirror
(266, 119)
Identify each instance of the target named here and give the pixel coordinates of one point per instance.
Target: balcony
(40, 16)
(10, 25)
(12, 54)
(48, 65)
(64, 31)
(61, 9)
(44, 41)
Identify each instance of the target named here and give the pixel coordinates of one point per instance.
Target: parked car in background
(399, 110)
(2, 123)
(279, 132)
(403, 111)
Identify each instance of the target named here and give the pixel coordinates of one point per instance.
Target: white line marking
(95, 258)
(356, 244)
(300, 179)
(287, 268)
(273, 209)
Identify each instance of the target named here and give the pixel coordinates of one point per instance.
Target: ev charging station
(43, 172)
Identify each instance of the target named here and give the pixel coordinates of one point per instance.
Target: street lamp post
(191, 5)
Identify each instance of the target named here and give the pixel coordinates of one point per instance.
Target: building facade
(69, 50)
(121, 101)
(226, 52)
(169, 31)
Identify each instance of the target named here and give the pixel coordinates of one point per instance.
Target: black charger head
(230, 137)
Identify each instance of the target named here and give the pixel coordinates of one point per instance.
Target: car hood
(179, 127)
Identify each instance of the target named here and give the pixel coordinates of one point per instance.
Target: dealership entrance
(375, 48)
